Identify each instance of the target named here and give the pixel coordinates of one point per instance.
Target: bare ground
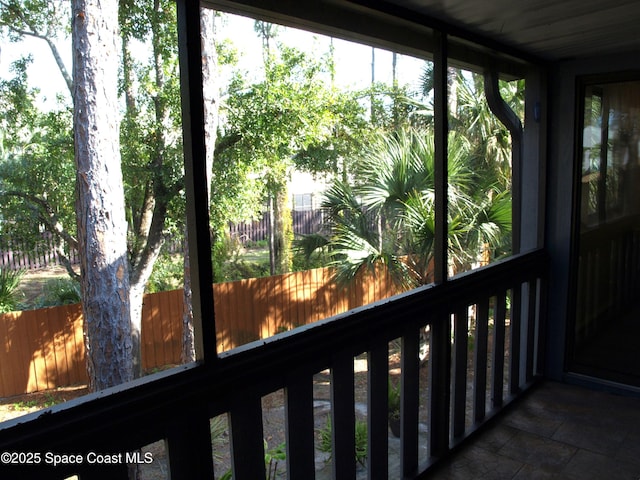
(34, 281)
(18, 405)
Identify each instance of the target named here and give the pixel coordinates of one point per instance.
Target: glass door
(606, 331)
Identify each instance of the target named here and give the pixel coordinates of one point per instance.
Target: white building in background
(306, 190)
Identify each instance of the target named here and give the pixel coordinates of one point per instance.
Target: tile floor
(557, 432)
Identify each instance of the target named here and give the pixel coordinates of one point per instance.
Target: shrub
(360, 440)
(168, 274)
(394, 400)
(59, 291)
(9, 281)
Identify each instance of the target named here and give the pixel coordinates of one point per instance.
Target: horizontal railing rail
(483, 331)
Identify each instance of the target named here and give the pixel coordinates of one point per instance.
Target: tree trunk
(272, 227)
(102, 227)
(154, 207)
(211, 101)
(282, 231)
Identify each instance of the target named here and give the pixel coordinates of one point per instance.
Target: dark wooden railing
(468, 382)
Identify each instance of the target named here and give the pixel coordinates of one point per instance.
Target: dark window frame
(582, 82)
(393, 29)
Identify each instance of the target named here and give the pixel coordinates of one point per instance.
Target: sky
(43, 72)
(353, 61)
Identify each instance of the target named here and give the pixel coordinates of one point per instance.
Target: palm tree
(471, 116)
(388, 216)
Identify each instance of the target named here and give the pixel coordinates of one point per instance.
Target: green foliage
(279, 116)
(291, 118)
(326, 440)
(59, 291)
(272, 458)
(168, 274)
(239, 270)
(219, 435)
(394, 399)
(49, 400)
(150, 135)
(310, 251)
(9, 282)
(48, 18)
(361, 442)
(388, 216)
(37, 173)
(232, 261)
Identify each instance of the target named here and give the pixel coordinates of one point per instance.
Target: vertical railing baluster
(377, 409)
(247, 440)
(497, 363)
(343, 417)
(440, 388)
(515, 340)
(542, 324)
(460, 347)
(188, 444)
(409, 401)
(300, 428)
(480, 361)
(532, 296)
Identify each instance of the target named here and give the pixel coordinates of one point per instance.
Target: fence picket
(56, 323)
(174, 326)
(151, 309)
(7, 380)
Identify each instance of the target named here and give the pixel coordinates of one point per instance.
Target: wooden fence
(16, 255)
(44, 349)
(304, 222)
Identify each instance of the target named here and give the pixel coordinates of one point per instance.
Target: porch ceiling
(549, 29)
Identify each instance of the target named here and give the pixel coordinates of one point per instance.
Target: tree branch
(48, 217)
(33, 32)
(46, 214)
(226, 142)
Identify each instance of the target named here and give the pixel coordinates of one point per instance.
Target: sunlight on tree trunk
(282, 232)
(102, 227)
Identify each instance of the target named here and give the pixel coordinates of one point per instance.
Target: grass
(45, 401)
(255, 255)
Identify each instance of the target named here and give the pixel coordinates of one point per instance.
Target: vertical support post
(189, 444)
(498, 350)
(461, 345)
(378, 408)
(409, 402)
(343, 418)
(532, 303)
(195, 177)
(515, 339)
(440, 391)
(480, 362)
(247, 440)
(441, 132)
(300, 428)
